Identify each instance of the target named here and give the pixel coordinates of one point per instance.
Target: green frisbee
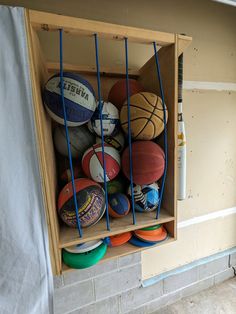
(84, 260)
(152, 227)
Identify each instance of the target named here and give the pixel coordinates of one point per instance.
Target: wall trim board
(153, 280)
(196, 220)
(216, 86)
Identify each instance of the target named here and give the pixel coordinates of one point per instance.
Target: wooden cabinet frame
(172, 46)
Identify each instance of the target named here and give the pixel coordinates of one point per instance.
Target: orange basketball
(146, 116)
(118, 95)
(148, 161)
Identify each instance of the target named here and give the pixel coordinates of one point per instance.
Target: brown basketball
(148, 161)
(118, 95)
(146, 116)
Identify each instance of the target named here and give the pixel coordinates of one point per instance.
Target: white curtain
(25, 273)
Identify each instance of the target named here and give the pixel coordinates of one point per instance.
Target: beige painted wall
(210, 115)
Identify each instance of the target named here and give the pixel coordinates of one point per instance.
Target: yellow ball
(146, 116)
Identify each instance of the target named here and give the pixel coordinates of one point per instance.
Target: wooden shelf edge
(183, 43)
(70, 236)
(120, 251)
(78, 26)
(104, 71)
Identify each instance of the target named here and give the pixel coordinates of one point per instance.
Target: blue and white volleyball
(117, 141)
(146, 197)
(79, 99)
(110, 119)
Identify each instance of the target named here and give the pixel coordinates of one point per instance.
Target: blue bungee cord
(129, 132)
(165, 131)
(102, 135)
(67, 133)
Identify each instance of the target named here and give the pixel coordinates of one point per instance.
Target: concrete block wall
(115, 287)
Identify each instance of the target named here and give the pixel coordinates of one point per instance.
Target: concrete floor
(220, 299)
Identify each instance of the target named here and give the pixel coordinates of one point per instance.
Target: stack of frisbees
(84, 255)
(142, 238)
(148, 236)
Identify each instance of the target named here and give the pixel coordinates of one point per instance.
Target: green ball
(115, 186)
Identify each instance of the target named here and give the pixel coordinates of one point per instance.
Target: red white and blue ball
(92, 162)
(146, 197)
(79, 99)
(110, 120)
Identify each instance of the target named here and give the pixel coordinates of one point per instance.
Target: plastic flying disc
(120, 239)
(136, 242)
(84, 260)
(153, 233)
(152, 227)
(84, 247)
(153, 239)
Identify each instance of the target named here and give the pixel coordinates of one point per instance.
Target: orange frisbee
(120, 239)
(152, 238)
(153, 233)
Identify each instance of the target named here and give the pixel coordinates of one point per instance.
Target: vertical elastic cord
(129, 131)
(165, 131)
(102, 135)
(67, 133)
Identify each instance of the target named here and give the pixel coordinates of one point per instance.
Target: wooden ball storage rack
(172, 45)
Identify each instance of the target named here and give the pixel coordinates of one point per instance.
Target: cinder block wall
(116, 286)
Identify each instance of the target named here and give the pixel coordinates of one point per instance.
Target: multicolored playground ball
(119, 205)
(90, 199)
(146, 197)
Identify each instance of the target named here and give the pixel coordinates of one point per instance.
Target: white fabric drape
(25, 273)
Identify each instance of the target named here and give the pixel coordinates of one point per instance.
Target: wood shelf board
(104, 71)
(73, 25)
(70, 236)
(122, 250)
(183, 43)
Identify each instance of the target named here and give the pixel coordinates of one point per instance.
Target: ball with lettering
(110, 119)
(79, 99)
(90, 200)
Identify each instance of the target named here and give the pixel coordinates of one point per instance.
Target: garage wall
(209, 109)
